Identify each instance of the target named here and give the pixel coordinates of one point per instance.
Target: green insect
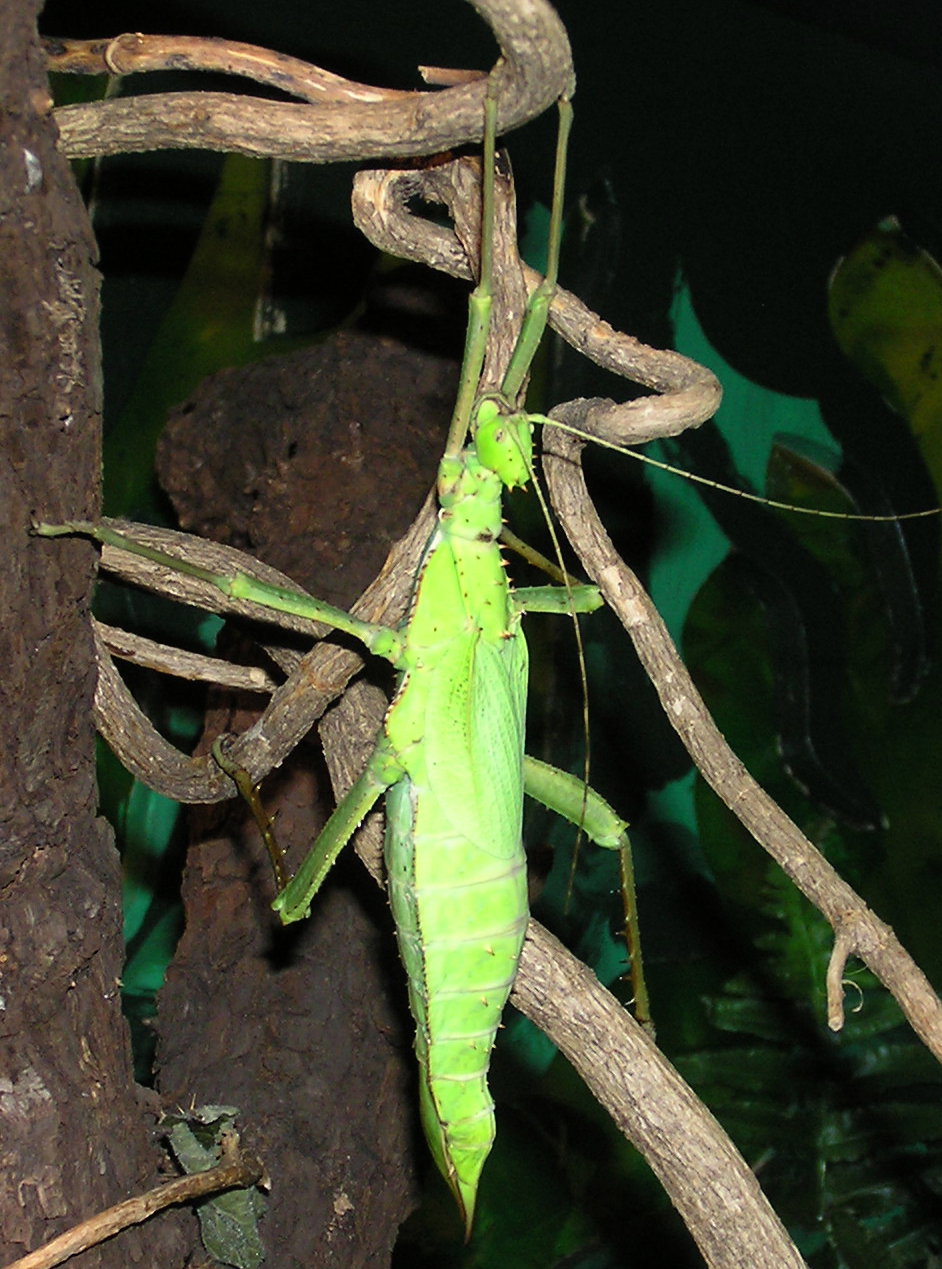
(450, 754)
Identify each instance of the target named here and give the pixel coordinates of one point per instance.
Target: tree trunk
(73, 1135)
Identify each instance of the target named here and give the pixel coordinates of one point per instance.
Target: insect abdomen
(461, 915)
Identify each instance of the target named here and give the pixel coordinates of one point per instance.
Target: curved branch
(134, 53)
(687, 394)
(185, 665)
(534, 69)
(856, 927)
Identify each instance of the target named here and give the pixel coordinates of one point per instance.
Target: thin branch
(134, 53)
(708, 1181)
(237, 1170)
(534, 69)
(182, 664)
(857, 928)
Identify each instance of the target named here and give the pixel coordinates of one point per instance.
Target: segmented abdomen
(461, 915)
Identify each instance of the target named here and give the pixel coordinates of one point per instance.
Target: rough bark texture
(73, 1136)
(534, 68)
(315, 462)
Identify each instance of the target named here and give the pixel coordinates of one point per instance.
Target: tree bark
(73, 1137)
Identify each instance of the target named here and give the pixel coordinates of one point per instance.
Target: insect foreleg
(238, 585)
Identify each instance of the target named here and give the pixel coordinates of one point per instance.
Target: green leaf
(228, 1222)
(885, 306)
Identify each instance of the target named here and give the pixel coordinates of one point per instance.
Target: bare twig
(535, 67)
(182, 664)
(705, 1176)
(237, 1170)
(134, 53)
(837, 963)
(858, 930)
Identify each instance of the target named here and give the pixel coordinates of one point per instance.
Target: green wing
(474, 742)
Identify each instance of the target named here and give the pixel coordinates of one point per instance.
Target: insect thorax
(469, 495)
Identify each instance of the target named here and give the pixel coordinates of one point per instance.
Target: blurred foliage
(843, 1130)
(885, 306)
